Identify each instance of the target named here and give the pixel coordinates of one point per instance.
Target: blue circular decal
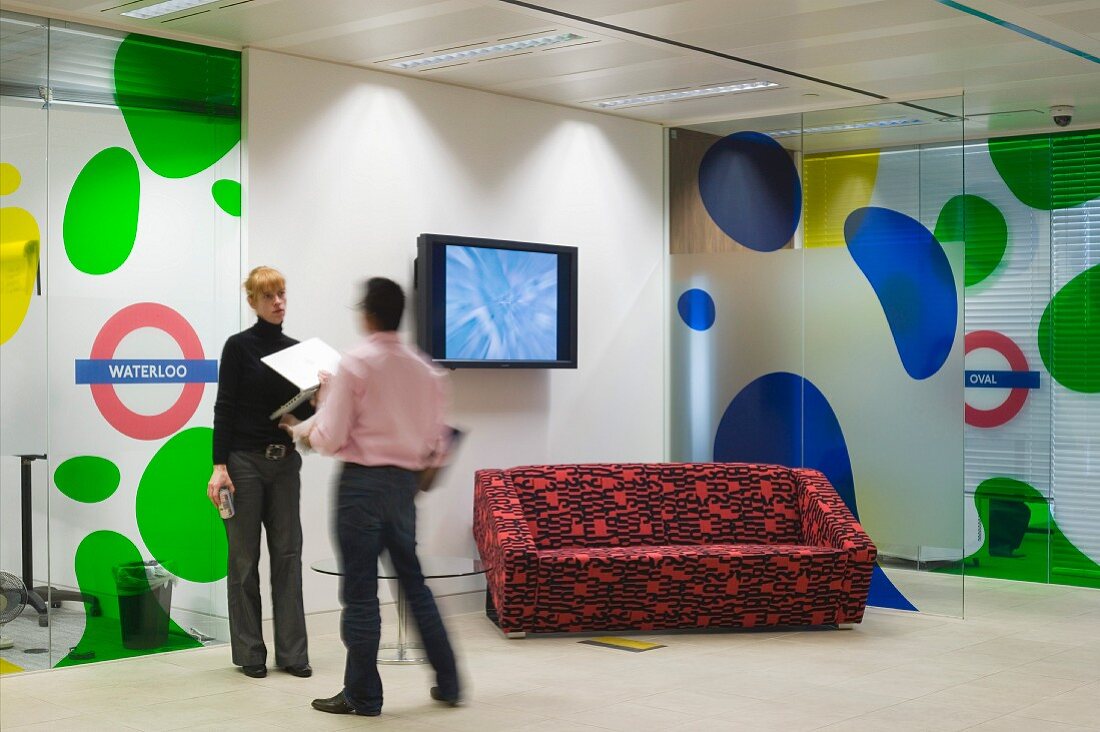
(696, 308)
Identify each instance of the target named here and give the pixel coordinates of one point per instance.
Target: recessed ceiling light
(675, 96)
(165, 8)
(849, 126)
(475, 53)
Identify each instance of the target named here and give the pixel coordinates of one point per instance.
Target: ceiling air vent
(677, 95)
(466, 54)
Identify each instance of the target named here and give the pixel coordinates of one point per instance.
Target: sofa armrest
(507, 549)
(826, 521)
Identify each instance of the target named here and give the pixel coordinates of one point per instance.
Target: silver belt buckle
(275, 452)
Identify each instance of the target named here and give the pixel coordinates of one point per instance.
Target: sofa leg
(845, 626)
(516, 634)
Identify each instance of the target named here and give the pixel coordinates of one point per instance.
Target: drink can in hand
(225, 502)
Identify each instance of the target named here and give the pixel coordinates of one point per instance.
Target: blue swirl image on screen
(502, 304)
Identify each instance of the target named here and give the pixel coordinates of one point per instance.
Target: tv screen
(492, 303)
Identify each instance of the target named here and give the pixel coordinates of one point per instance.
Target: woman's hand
(218, 478)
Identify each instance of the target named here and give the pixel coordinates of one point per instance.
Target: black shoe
(257, 671)
(301, 670)
(339, 705)
(451, 701)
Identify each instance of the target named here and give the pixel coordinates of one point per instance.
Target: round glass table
(405, 651)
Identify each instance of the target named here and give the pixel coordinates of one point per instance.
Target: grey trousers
(267, 493)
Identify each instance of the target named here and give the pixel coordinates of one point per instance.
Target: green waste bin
(144, 603)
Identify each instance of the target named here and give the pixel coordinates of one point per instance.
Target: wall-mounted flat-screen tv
(485, 303)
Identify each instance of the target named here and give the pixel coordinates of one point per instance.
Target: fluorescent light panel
(849, 126)
(166, 8)
(675, 96)
(476, 53)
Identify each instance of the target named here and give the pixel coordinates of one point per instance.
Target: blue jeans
(375, 511)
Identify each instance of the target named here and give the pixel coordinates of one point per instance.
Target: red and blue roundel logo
(103, 371)
(1018, 380)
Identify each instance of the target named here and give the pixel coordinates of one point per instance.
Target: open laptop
(299, 365)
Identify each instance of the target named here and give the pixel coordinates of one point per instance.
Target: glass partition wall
(121, 276)
(24, 509)
(818, 319)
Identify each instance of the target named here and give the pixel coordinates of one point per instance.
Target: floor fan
(13, 598)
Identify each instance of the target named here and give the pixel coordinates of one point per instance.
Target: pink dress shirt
(385, 405)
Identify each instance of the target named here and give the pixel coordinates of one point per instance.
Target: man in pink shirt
(382, 414)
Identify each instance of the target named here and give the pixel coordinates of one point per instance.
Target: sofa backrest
(588, 505)
(727, 503)
(651, 504)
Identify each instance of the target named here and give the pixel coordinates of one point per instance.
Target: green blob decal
(87, 478)
(1069, 333)
(1049, 171)
(227, 194)
(126, 616)
(177, 521)
(101, 215)
(1022, 541)
(181, 102)
(981, 227)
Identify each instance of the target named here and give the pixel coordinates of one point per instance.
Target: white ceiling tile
(896, 48)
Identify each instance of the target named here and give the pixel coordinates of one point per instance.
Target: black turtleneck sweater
(249, 391)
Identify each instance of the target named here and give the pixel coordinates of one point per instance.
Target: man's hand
(218, 478)
(322, 377)
(287, 423)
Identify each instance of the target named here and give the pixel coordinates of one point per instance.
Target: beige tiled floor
(1026, 658)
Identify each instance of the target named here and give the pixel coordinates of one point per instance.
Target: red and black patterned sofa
(649, 546)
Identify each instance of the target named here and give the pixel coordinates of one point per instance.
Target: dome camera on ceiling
(1062, 114)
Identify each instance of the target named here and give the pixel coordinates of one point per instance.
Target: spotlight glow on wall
(848, 127)
(675, 96)
(476, 53)
(165, 8)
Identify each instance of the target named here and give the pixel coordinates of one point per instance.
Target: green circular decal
(1069, 333)
(101, 215)
(981, 227)
(178, 523)
(227, 194)
(88, 479)
(1049, 171)
(181, 102)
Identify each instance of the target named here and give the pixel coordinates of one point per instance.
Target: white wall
(345, 167)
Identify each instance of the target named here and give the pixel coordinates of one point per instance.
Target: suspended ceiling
(1014, 59)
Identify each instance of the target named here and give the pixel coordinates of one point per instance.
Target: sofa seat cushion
(674, 586)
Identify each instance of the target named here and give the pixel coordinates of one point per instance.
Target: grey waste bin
(144, 603)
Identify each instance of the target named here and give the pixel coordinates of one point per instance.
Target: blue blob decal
(696, 307)
(750, 188)
(910, 274)
(773, 418)
(783, 418)
(883, 593)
